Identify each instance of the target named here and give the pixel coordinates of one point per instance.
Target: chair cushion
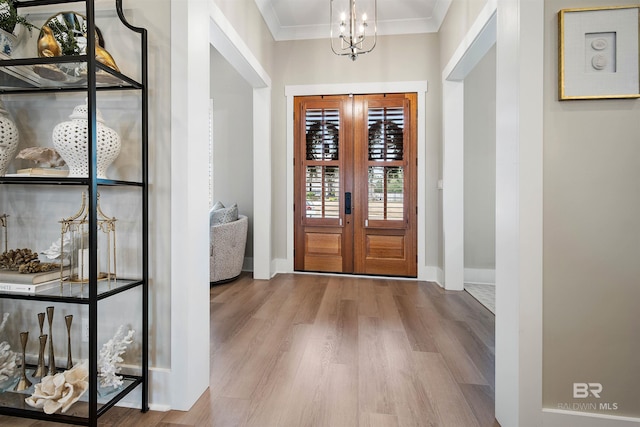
(223, 215)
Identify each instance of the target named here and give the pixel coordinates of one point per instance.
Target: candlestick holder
(52, 357)
(67, 320)
(41, 370)
(40, 373)
(24, 382)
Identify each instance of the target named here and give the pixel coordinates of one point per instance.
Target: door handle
(347, 203)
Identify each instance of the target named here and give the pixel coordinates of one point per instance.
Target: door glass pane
(323, 192)
(322, 132)
(386, 126)
(386, 193)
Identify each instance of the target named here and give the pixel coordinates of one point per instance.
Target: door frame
(419, 87)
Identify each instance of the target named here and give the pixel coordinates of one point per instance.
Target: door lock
(347, 203)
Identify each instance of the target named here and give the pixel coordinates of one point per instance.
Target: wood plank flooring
(308, 350)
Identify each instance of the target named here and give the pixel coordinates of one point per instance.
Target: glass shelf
(56, 180)
(74, 292)
(12, 403)
(62, 73)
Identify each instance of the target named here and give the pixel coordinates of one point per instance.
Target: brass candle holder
(52, 357)
(67, 320)
(41, 370)
(24, 382)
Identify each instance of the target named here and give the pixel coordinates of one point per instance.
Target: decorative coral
(55, 250)
(110, 357)
(8, 362)
(58, 392)
(8, 358)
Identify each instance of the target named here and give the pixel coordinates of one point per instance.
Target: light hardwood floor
(309, 350)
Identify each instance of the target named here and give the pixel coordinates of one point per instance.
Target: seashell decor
(58, 392)
(42, 156)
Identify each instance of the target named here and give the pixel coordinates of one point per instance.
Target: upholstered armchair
(227, 243)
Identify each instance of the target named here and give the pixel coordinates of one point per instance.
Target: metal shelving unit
(17, 77)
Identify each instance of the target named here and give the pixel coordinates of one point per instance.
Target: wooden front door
(355, 184)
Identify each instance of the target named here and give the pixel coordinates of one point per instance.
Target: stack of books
(13, 281)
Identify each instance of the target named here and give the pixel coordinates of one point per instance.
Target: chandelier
(353, 33)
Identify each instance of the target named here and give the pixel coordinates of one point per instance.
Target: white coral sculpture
(8, 358)
(108, 368)
(54, 251)
(58, 392)
(8, 362)
(3, 325)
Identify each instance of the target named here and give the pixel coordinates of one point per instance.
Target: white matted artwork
(598, 55)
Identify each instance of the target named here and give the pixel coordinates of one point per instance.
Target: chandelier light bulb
(364, 17)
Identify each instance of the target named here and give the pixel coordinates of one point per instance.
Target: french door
(355, 184)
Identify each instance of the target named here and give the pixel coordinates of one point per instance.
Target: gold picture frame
(599, 53)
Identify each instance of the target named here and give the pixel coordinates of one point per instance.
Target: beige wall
(480, 164)
(232, 139)
(396, 58)
(247, 21)
(459, 18)
(591, 241)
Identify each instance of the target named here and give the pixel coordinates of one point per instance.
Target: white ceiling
(309, 19)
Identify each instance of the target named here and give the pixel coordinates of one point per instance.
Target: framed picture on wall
(598, 53)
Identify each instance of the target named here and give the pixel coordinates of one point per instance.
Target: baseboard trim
(480, 276)
(561, 418)
(434, 274)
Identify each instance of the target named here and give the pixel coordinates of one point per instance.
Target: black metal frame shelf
(18, 408)
(50, 180)
(75, 293)
(17, 76)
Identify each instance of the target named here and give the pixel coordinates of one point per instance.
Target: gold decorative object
(67, 320)
(41, 369)
(52, 357)
(77, 227)
(47, 44)
(104, 57)
(66, 34)
(24, 382)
